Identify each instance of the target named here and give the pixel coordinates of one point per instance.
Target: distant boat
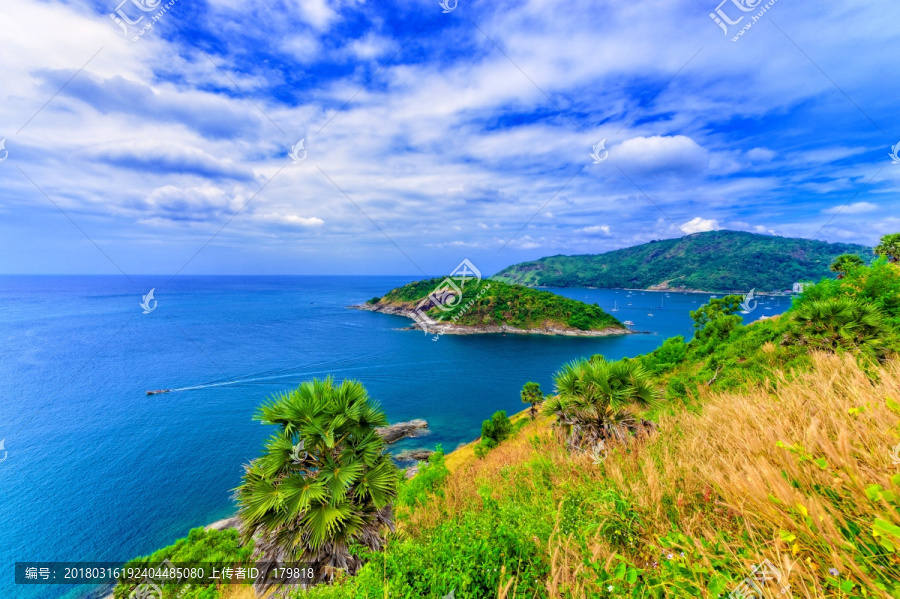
(629, 323)
(616, 308)
(629, 303)
(158, 391)
(651, 312)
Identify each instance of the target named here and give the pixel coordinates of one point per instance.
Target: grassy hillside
(713, 261)
(773, 444)
(497, 303)
(800, 475)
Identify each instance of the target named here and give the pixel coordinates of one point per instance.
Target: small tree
(532, 395)
(889, 247)
(845, 263)
(495, 430)
(597, 400)
(715, 321)
(322, 484)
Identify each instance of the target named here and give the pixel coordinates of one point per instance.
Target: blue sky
(430, 137)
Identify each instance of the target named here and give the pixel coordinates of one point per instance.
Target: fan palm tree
(841, 324)
(597, 400)
(845, 263)
(322, 483)
(889, 247)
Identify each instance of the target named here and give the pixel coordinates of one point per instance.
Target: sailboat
(616, 308)
(651, 312)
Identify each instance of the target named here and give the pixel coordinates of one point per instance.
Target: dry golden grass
(723, 471)
(730, 458)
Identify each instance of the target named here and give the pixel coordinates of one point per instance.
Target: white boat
(616, 308)
(628, 323)
(651, 312)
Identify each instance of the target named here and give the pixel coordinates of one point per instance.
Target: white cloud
(699, 225)
(854, 208)
(603, 229)
(761, 154)
(292, 219)
(660, 153)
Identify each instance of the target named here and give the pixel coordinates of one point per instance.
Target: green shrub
(496, 430)
(199, 546)
(427, 482)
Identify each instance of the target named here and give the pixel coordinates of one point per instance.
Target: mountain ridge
(715, 261)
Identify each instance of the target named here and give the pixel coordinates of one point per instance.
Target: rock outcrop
(401, 430)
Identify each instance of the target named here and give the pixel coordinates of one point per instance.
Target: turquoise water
(96, 470)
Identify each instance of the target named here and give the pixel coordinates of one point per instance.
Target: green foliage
(889, 247)
(711, 320)
(464, 555)
(496, 430)
(323, 482)
(841, 323)
(719, 261)
(666, 357)
(878, 284)
(532, 395)
(374, 300)
(427, 482)
(845, 263)
(599, 400)
(200, 546)
(494, 303)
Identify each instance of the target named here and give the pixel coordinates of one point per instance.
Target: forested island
(487, 306)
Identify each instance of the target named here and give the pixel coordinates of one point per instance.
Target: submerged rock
(401, 430)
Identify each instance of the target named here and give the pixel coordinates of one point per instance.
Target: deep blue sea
(96, 470)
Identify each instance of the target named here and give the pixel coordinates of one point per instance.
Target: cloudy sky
(431, 135)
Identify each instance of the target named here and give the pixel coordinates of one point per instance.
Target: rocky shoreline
(455, 329)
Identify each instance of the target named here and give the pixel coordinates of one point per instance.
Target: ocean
(96, 470)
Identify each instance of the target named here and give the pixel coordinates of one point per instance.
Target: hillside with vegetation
(719, 261)
(494, 306)
(757, 460)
